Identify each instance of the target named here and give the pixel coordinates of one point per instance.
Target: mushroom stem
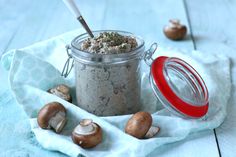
(175, 21)
(152, 132)
(174, 24)
(58, 121)
(87, 134)
(85, 127)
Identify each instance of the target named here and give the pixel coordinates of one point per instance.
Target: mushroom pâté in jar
(107, 71)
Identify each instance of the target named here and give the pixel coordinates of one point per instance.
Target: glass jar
(110, 84)
(107, 85)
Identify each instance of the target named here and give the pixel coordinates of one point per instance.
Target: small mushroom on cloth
(87, 134)
(140, 126)
(52, 116)
(61, 91)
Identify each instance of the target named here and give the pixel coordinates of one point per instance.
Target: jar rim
(84, 56)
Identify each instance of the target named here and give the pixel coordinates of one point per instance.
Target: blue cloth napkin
(35, 69)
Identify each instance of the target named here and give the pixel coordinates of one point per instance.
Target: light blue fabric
(34, 69)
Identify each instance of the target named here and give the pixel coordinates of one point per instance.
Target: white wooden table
(211, 25)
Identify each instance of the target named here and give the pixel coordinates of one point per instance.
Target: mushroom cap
(63, 88)
(47, 112)
(139, 124)
(175, 33)
(62, 91)
(88, 140)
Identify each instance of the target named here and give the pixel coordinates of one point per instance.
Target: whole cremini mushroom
(175, 30)
(140, 126)
(52, 116)
(87, 134)
(61, 91)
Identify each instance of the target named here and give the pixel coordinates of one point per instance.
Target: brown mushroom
(140, 126)
(87, 134)
(52, 115)
(61, 91)
(175, 30)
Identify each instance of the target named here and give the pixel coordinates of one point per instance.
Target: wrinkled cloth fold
(35, 69)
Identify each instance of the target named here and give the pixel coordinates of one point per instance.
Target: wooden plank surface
(12, 14)
(21, 27)
(147, 19)
(28, 21)
(214, 26)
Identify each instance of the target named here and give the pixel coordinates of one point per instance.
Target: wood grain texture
(10, 20)
(25, 22)
(147, 19)
(29, 21)
(214, 23)
(21, 26)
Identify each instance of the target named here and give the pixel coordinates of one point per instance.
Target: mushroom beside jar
(87, 134)
(62, 91)
(52, 116)
(140, 126)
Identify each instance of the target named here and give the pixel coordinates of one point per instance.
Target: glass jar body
(107, 90)
(108, 84)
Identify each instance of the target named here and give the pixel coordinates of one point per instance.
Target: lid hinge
(68, 64)
(149, 53)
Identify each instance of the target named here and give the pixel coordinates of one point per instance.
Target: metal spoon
(75, 10)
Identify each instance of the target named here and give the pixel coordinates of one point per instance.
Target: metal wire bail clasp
(69, 63)
(149, 53)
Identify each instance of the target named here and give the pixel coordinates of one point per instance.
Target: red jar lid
(179, 87)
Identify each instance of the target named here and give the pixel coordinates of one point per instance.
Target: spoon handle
(75, 10)
(84, 24)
